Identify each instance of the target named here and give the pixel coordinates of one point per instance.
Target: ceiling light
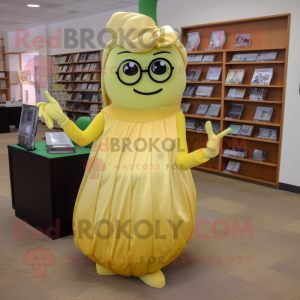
(33, 5)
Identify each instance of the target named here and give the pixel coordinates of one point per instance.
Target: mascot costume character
(138, 215)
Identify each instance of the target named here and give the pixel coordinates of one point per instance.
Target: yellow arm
(185, 160)
(83, 138)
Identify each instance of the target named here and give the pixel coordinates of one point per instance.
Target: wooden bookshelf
(270, 33)
(58, 82)
(6, 78)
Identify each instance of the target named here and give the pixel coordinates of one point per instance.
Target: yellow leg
(102, 271)
(156, 280)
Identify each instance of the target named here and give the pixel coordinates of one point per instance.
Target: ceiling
(16, 13)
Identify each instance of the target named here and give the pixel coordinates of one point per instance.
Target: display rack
(5, 91)
(55, 83)
(269, 33)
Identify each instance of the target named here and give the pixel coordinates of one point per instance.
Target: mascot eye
(159, 67)
(130, 69)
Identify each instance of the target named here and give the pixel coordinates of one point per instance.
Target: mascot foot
(102, 271)
(156, 280)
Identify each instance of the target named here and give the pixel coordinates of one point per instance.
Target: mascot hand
(213, 143)
(52, 111)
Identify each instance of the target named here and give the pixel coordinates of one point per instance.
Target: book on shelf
(242, 40)
(65, 68)
(78, 86)
(78, 68)
(214, 73)
(263, 114)
(193, 41)
(217, 39)
(235, 111)
(90, 87)
(193, 74)
(244, 57)
(236, 93)
(215, 126)
(78, 77)
(94, 108)
(189, 91)
(28, 126)
(198, 58)
(86, 67)
(59, 142)
(202, 109)
(262, 76)
(190, 58)
(83, 86)
(2, 84)
(235, 129)
(91, 56)
(70, 69)
(78, 96)
(96, 86)
(258, 94)
(68, 77)
(235, 152)
(266, 56)
(204, 91)
(94, 67)
(75, 57)
(260, 155)
(2, 74)
(214, 110)
(185, 107)
(233, 166)
(235, 76)
(70, 58)
(246, 130)
(209, 58)
(95, 77)
(191, 123)
(61, 77)
(82, 57)
(268, 134)
(69, 86)
(86, 77)
(95, 97)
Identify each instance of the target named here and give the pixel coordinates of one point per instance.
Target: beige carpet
(265, 267)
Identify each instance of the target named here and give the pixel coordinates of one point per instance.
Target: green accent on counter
(41, 149)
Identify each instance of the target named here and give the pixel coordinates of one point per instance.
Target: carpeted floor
(265, 266)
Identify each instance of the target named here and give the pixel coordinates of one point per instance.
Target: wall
(177, 13)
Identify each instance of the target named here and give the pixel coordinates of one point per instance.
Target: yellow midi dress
(139, 188)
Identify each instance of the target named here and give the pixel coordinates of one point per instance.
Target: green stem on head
(148, 8)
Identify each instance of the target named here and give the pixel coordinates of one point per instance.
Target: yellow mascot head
(143, 66)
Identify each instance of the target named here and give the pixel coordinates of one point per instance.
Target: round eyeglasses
(130, 71)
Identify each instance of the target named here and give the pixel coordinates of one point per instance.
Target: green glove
(52, 111)
(213, 143)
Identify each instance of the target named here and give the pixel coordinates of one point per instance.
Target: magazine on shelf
(83, 86)
(260, 155)
(234, 152)
(262, 76)
(193, 74)
(268, 134)
(78, 97)
(198, 58)
(217, 39)
(258, 94)
(193, 41)
(263, 114)
(266, 56)
(235, 76)
(213, 110)
(95, 97)
(2, 74)
(244, 57)
(214, 73)
(202, 109)
(83, 57)
(78, 68)
(28, 126)
(75, 57)
(189, 91)
(204, 91)
(90, 87)
(246, 130)
(185, 107)
(235, 129)
(190, 58)
(91, 56)
(59, 142)
(215, 126)
(191, 123)
(236, 93)
(96, 86)
(209, 58)
(64, 69)
(86, 77)
(78, 77)
(235, 111)
(233, 166)
(242, 40)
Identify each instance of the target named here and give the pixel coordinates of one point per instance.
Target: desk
(9, 115)
(44, 186)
